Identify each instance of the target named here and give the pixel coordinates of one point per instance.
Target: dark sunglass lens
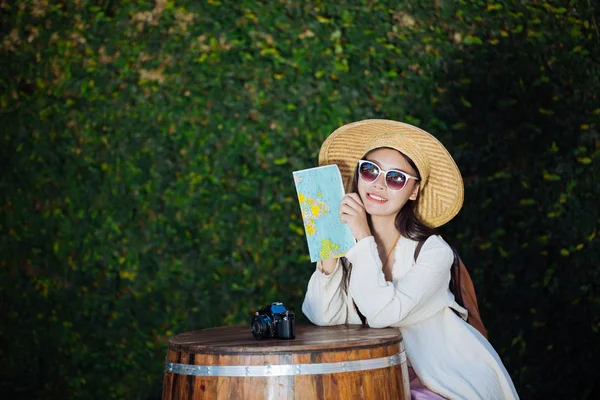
(395, 180)
(369, 171)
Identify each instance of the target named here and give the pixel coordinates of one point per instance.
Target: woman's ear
(415, 191)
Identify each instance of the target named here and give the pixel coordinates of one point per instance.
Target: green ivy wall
(146, 152)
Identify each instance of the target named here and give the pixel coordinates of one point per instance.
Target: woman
(403, 183)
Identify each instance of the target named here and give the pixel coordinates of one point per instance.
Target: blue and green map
(320, 191)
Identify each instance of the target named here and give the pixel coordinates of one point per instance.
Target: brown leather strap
(469, 297)
(418, 249)
(456, 286)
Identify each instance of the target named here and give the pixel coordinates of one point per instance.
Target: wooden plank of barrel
(323, 362)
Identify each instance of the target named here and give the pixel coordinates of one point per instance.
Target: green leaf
(472, 40)
(494, 7)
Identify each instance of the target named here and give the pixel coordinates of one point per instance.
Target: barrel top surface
(239, 339)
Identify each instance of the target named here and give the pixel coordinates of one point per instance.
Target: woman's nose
(380, 181)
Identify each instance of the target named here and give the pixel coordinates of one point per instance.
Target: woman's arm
(421, 293)
(325, 300)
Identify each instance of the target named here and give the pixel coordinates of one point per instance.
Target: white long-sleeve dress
(448, 355)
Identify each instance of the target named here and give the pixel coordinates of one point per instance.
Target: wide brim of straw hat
(442, 190)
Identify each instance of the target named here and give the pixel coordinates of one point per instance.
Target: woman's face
(376, 197)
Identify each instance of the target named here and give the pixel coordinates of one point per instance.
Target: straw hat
(441, 193)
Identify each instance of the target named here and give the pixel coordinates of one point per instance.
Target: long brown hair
(407, 222)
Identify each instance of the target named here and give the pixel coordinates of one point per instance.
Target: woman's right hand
(353, 213)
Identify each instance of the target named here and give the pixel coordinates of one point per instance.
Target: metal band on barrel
(285, 369)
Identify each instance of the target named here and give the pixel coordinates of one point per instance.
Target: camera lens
(260, 327)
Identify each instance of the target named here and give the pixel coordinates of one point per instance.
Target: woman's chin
(375, 209)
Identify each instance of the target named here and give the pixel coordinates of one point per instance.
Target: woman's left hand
(352, 212)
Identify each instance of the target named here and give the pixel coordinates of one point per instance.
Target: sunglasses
(394, 178)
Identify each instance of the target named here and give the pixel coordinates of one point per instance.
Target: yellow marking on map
(311, 210)
(310, 228)
(328, 249)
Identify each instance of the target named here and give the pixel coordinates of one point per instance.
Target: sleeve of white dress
(421, 293)
(325, 300)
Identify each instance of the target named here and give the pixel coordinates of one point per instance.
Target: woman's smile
(376, 198)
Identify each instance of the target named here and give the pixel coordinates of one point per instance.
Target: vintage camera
(274, 321)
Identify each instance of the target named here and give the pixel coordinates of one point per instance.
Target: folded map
(320, 191)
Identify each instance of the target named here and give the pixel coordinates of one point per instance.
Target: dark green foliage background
(147, 150)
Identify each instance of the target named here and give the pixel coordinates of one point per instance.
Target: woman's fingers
(345, 218)
(354, 198)
(352, 213)
(345, 209)
(353, 201)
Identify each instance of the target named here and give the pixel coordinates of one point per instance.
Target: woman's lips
(376, 198)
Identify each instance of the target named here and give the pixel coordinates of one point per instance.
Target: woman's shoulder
(432, 241)
(436, 241)
(435, 246)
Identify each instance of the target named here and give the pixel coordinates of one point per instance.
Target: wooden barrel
(323, 362)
